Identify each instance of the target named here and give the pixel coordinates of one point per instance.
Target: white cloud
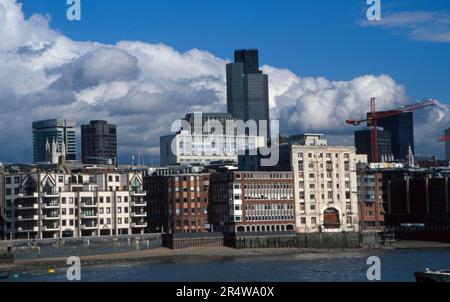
(145, 87)
(418, 25)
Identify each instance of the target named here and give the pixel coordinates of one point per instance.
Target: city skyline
(150, 85)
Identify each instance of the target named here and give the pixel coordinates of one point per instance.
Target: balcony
(88, 215)
(54, 205)
(138, 214)
(27, 218)
(139, 224)
(28, 195)
(138, 203)
(50, 228)
(51, 217)
(88, 204)
(138, 193)
(28, 229)
(50, 194)
(27, 206)
(88, 226)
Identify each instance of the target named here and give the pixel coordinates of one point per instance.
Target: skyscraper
(247, 87)
(363, 144)
(62, 132)
(401, 128)
(99, 143)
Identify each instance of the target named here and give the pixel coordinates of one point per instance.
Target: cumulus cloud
(144, 87)
(418, 25)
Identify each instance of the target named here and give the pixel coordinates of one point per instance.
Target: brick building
(177, 203)
(370, 199)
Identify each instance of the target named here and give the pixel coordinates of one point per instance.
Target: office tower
(363, 144)
(324, 186)
(447, 145)
(99, 143)
(401, 128)
(247, 88)
(61, 132)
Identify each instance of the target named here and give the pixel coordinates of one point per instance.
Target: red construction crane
(444, 139)
(374, 116)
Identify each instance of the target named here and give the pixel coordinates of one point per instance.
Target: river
(396, 266)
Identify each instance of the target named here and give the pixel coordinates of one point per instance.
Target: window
(119, 220)
(313, 220)
(119, 210)
(8, 180)
(102, 210)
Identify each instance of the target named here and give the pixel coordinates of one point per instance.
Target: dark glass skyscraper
(364, 146)
(401, 128)
(99, 143)
(44, 132)
(247, 87)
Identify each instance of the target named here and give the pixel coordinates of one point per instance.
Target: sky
(144, 64)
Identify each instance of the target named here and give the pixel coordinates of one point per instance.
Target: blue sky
(144, 64)
(311, 38)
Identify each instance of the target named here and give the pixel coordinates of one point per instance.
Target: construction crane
(373, 117)
(444, 139)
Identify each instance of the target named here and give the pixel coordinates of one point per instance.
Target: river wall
(86, 246)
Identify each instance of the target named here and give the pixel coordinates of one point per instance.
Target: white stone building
(55, 204)
(325, 185)
(185, 148)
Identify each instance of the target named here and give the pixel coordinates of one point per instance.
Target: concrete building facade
(187, 148)
(325, 186)
(48, 204)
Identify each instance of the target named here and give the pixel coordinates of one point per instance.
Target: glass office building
(44, 132)
(247, 88)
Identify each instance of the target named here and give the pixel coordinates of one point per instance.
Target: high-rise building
(447, 145)
(401, 128)
(247, 88)
(363, 144)
(62, 132)
(99, 143)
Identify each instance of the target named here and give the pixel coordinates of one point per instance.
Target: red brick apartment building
(252, 201)
(370, 200)
(177, 203)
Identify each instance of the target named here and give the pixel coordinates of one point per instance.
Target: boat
(433, 276)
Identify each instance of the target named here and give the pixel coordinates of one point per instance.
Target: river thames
(396, 266)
